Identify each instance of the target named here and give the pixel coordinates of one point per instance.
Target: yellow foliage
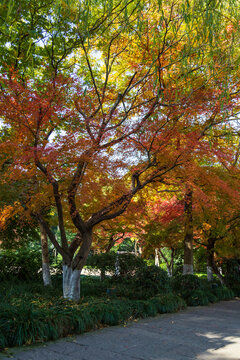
(206, 226)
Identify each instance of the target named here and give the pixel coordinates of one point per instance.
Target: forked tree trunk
(168, 263)
(72, 271)
(188, 235)
(45, 257)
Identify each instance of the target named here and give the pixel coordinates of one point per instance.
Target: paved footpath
(203, 333)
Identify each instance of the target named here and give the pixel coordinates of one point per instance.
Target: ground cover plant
(30, 313)
(198, 291)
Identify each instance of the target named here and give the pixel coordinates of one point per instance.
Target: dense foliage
(22, 264)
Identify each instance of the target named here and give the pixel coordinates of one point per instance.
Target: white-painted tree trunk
(46, 274)
(45, 257)
(169, 272)
(156, 257)
(209, 273)
(187, 269)
(71, 283)
(117, 267)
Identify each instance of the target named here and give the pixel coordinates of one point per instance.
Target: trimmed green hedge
(196, 291)
(127, 263)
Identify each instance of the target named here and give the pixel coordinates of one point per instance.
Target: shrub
(167, 303)
(148, 281)
(185, 285)
(151, 280)
(232, 272)
(103, 262)
(223, 293)
(236, 289)
(92, 286)
(127, 263)
(232, 275)
(198, 297)
(22, 264)
(43, 318)
(210, 295)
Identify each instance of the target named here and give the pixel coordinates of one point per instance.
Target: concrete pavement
(203, 333)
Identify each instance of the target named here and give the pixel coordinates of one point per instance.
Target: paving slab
(198, 333)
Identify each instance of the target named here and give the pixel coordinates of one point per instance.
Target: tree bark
(71, 283)
(72, 271)
(45, 257)
(211, 265)
(156, 257)
(169, 264)
(210, 258)
(102, 275)
(188, 235)
(172, 261)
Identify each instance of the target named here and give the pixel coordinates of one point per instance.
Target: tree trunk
(172, 261)
(156, 257)
(188, 236)
(168, 264)
(117, 266)
(135, 248)
(45, 257)
(209, 273)
(71, 283)
(217, 272)
(211, 265)
(210, 258)
(72, 272)
(103, 275)
(169, 271)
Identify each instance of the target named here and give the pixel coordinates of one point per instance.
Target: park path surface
(204, 333)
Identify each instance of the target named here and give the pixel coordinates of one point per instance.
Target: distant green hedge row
(29, 323)
(196, 291)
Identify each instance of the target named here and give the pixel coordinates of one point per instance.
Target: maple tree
(157, 230)
(136, 107)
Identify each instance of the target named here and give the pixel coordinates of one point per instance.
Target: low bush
(168, 303)
(102, 262)
(149, 281)
(120, 265)
(185, 285)
(223, 293)
(37, 317)
(22, 264)
(198, 291)
(236, 289)
(198, 297)
(30, 313)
